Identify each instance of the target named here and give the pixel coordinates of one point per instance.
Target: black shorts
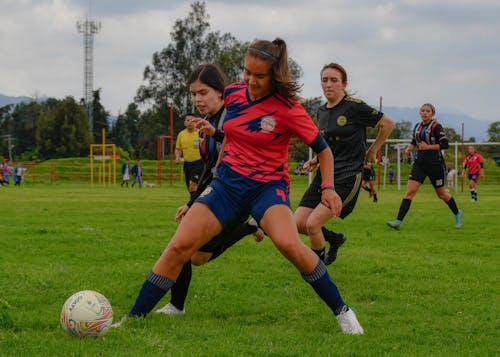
(435, 170)
(191, 169)
(347, 189)
(368, 175)
(216, 244)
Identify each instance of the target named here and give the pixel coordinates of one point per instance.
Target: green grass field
(427, 290)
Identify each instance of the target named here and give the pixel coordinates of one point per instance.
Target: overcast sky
(409, 52)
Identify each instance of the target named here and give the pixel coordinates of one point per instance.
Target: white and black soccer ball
(87, 313)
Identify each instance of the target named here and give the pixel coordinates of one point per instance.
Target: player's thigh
(196, 228)
(279, 225)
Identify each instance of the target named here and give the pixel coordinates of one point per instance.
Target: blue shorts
(474, 177)
(232, 197)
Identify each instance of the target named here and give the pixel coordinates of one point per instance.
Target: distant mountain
(5, 100)
(472, 126)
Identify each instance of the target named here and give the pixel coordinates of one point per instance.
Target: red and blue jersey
(474, 163)
(258, 133)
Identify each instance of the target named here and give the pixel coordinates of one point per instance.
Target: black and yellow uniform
(344, 129)
(429, 163)
(368, 174)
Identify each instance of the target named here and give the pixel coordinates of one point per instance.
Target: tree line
(58, 128)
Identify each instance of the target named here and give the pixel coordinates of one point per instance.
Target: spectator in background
(125, 173)
(18, 173)
(137, 172)
(5, 172)
(391, 174)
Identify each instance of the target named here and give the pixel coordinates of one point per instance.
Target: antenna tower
(88, 27)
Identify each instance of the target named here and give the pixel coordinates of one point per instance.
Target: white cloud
(407, 51)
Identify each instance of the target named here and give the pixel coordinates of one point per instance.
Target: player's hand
(424, 146)
(332, 200)
(371, 156)
(181, 212)
(203, 125)
(310, 165)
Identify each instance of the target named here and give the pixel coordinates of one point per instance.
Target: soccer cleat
(349, 323)
(395, 224)
(458, 219)
(335, 244)
(171, 310)
(120, 323)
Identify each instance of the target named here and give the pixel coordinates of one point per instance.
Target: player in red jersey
(474, 164)
(262, 114)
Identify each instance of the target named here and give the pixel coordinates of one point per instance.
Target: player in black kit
(368, 183)
(342, 121)
(429, 137)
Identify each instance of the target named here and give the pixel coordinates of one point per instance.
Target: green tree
(99, 116)
(494, 132)
(191, 45)
(125, 131)
(151, 124)
(402, 130)
(63, 130)
(452, 135)
(26, 117)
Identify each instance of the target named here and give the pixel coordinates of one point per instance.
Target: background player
(342, 121)
(474, 164)
(429, 137)
(368, 183)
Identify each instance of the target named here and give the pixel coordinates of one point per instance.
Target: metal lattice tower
(88, 27)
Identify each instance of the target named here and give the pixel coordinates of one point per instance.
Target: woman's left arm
(385, 127)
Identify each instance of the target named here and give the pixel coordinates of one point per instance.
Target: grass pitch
(428, 289)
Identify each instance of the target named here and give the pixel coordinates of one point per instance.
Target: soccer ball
(87, 313)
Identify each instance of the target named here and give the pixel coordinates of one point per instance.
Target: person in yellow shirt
(187, 147)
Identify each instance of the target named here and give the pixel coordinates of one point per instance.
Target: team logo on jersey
(267, 124)
(206, 192)
(341, 120)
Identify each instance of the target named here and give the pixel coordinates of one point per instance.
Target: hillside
(473, 127)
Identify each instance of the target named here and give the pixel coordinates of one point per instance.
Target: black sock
(329, 235)
(320, 253)
(232, 236)
(404, 208)
(375, 199)
(153, 289)
(453, 206)
(180, 289)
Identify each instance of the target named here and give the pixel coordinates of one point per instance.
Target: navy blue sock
(323, 285)
(154, 288)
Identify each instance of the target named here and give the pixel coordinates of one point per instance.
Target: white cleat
(170, 309)
(120, 323)
(349, 323)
